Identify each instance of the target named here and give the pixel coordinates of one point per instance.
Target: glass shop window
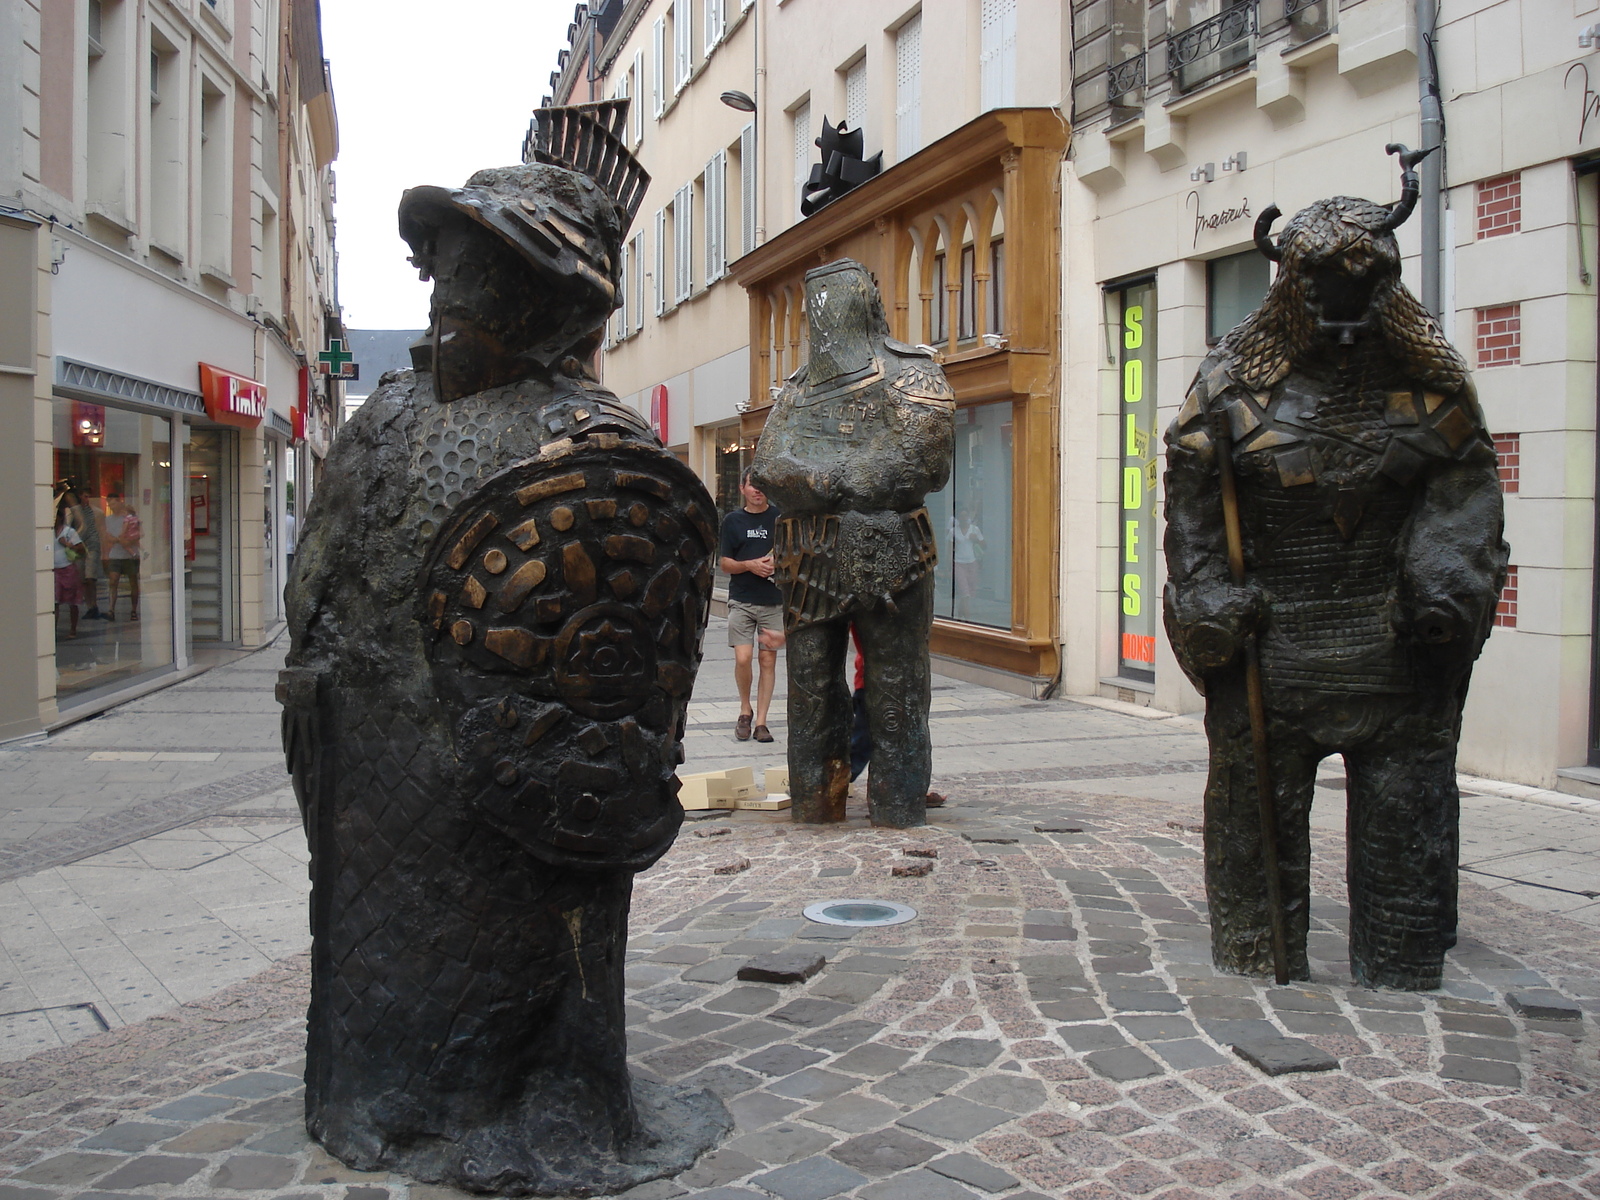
(972, 521)
(997, 286)
(1235, 287)
(112, 546)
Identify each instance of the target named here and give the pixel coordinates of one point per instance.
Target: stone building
(1116, 153)
(166, 285)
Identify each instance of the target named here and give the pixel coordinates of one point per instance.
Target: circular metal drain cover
(859, 912)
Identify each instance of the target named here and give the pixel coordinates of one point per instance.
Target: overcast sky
(428, 91)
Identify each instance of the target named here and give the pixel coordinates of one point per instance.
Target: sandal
(935, 800)
(741, 729)
(763, 734)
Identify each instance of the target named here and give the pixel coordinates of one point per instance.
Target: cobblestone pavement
(1048, 1025)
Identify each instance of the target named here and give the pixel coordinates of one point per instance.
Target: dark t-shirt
(747, 535)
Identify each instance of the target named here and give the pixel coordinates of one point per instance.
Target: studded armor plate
(562, 603)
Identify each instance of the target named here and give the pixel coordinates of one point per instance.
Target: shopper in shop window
(68, 549)
(123, 535)
(968, 545)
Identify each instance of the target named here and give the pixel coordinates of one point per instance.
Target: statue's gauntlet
(1208, 621)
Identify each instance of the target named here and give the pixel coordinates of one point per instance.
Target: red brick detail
(1500, 335)
(1505, 613)
(1508, 449)
(1500, 205)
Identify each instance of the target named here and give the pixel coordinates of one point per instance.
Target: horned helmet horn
(1264, 242)
(1410, 185)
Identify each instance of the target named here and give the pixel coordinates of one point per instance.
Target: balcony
(1216, 46)
(1125, 82)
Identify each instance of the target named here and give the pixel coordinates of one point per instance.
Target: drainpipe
(1432, 119)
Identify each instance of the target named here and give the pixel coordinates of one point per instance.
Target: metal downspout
(1432, 121)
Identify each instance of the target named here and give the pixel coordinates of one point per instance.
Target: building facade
(166, 288)
(1187, 118)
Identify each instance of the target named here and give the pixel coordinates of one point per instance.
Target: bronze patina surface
(1344, 432)
(857, 439)
(497, 610)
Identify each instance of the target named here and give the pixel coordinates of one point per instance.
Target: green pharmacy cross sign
(337, 361)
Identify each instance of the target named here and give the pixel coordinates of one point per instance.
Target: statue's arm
(1207, 616)
(1455, 558)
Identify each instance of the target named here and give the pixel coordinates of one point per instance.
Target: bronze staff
(1223, 437)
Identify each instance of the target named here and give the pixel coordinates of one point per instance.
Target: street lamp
(738, 100)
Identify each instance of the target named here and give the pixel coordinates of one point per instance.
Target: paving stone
(716, 970)
(781, 1060)
(875, 964)
(686, 955)
(835, 872)
(751, 1034)
(193, 1108)
(1018, 1095)
(760, 1109)
(969, 1168)
(745, 1000)
(211, 1137)
(1282, 1055)
(254, 1085)
(150, 1169)
(919, 1082)
(717, 1168)
(725, 1079)
(323, 1168)
(1157, 1029)
(254, 1172)
(955, 1119)
(875, 1060)
(809, 1011)
(130, 1136)
(1479, 1070)
(1131, 1001)
(813, 1083)
(843, 1036)
(1123, 1064)
(1084, 1038)
(1407, 1024)
(850, 986)
(655, 1189)
(9, 1191)
(784, 1142)
(1544, 1003)
(1301, 1000)
(884, 1152)
(291, 1139)
(69, 1169)
(1076, 1008)
(1228, 1032)
(1471, 1047)
(1316, 1023)
(853, 1114)
(1188, 1054)
(964, 1052)
(792, 965)
(1481, 1024)
(810, 1179)
(827, 933)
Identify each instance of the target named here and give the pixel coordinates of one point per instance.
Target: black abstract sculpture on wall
(844, 166)
(1334, 556)
(497, 611)
(856, 440)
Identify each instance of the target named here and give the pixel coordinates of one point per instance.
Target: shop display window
(972, 520)
(112, 547)
(1235, 287)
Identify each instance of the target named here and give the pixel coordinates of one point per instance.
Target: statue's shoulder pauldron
(915, 376)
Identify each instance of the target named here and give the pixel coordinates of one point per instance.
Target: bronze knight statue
(1334, 556)
(857, 439)
(496, 610)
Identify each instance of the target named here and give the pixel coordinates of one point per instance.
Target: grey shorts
(745, 620)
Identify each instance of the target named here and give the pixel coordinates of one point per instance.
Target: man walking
(755, 606)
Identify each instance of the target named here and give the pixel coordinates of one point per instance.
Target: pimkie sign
(232, 399)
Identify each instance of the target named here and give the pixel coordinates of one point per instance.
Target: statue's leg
(899, 690)
(819, 721)
(1403, 848)
(1241, 928)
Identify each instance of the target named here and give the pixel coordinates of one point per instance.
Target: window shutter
(802, 152)
(636, 289)
(716, 216)
(747, 189)
(683, 45)
(997, 61)
(661, 261)
(683, 243)
(908, 88)
(855, 95)
(715, 25)
(637, 115)
(658, 65)
(619, 315)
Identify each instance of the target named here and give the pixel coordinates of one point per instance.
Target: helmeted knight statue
(858, 437)
(497, 611)
(1344, 432)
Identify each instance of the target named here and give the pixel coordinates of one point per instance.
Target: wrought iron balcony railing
(1125, 77)
(1215, 45)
